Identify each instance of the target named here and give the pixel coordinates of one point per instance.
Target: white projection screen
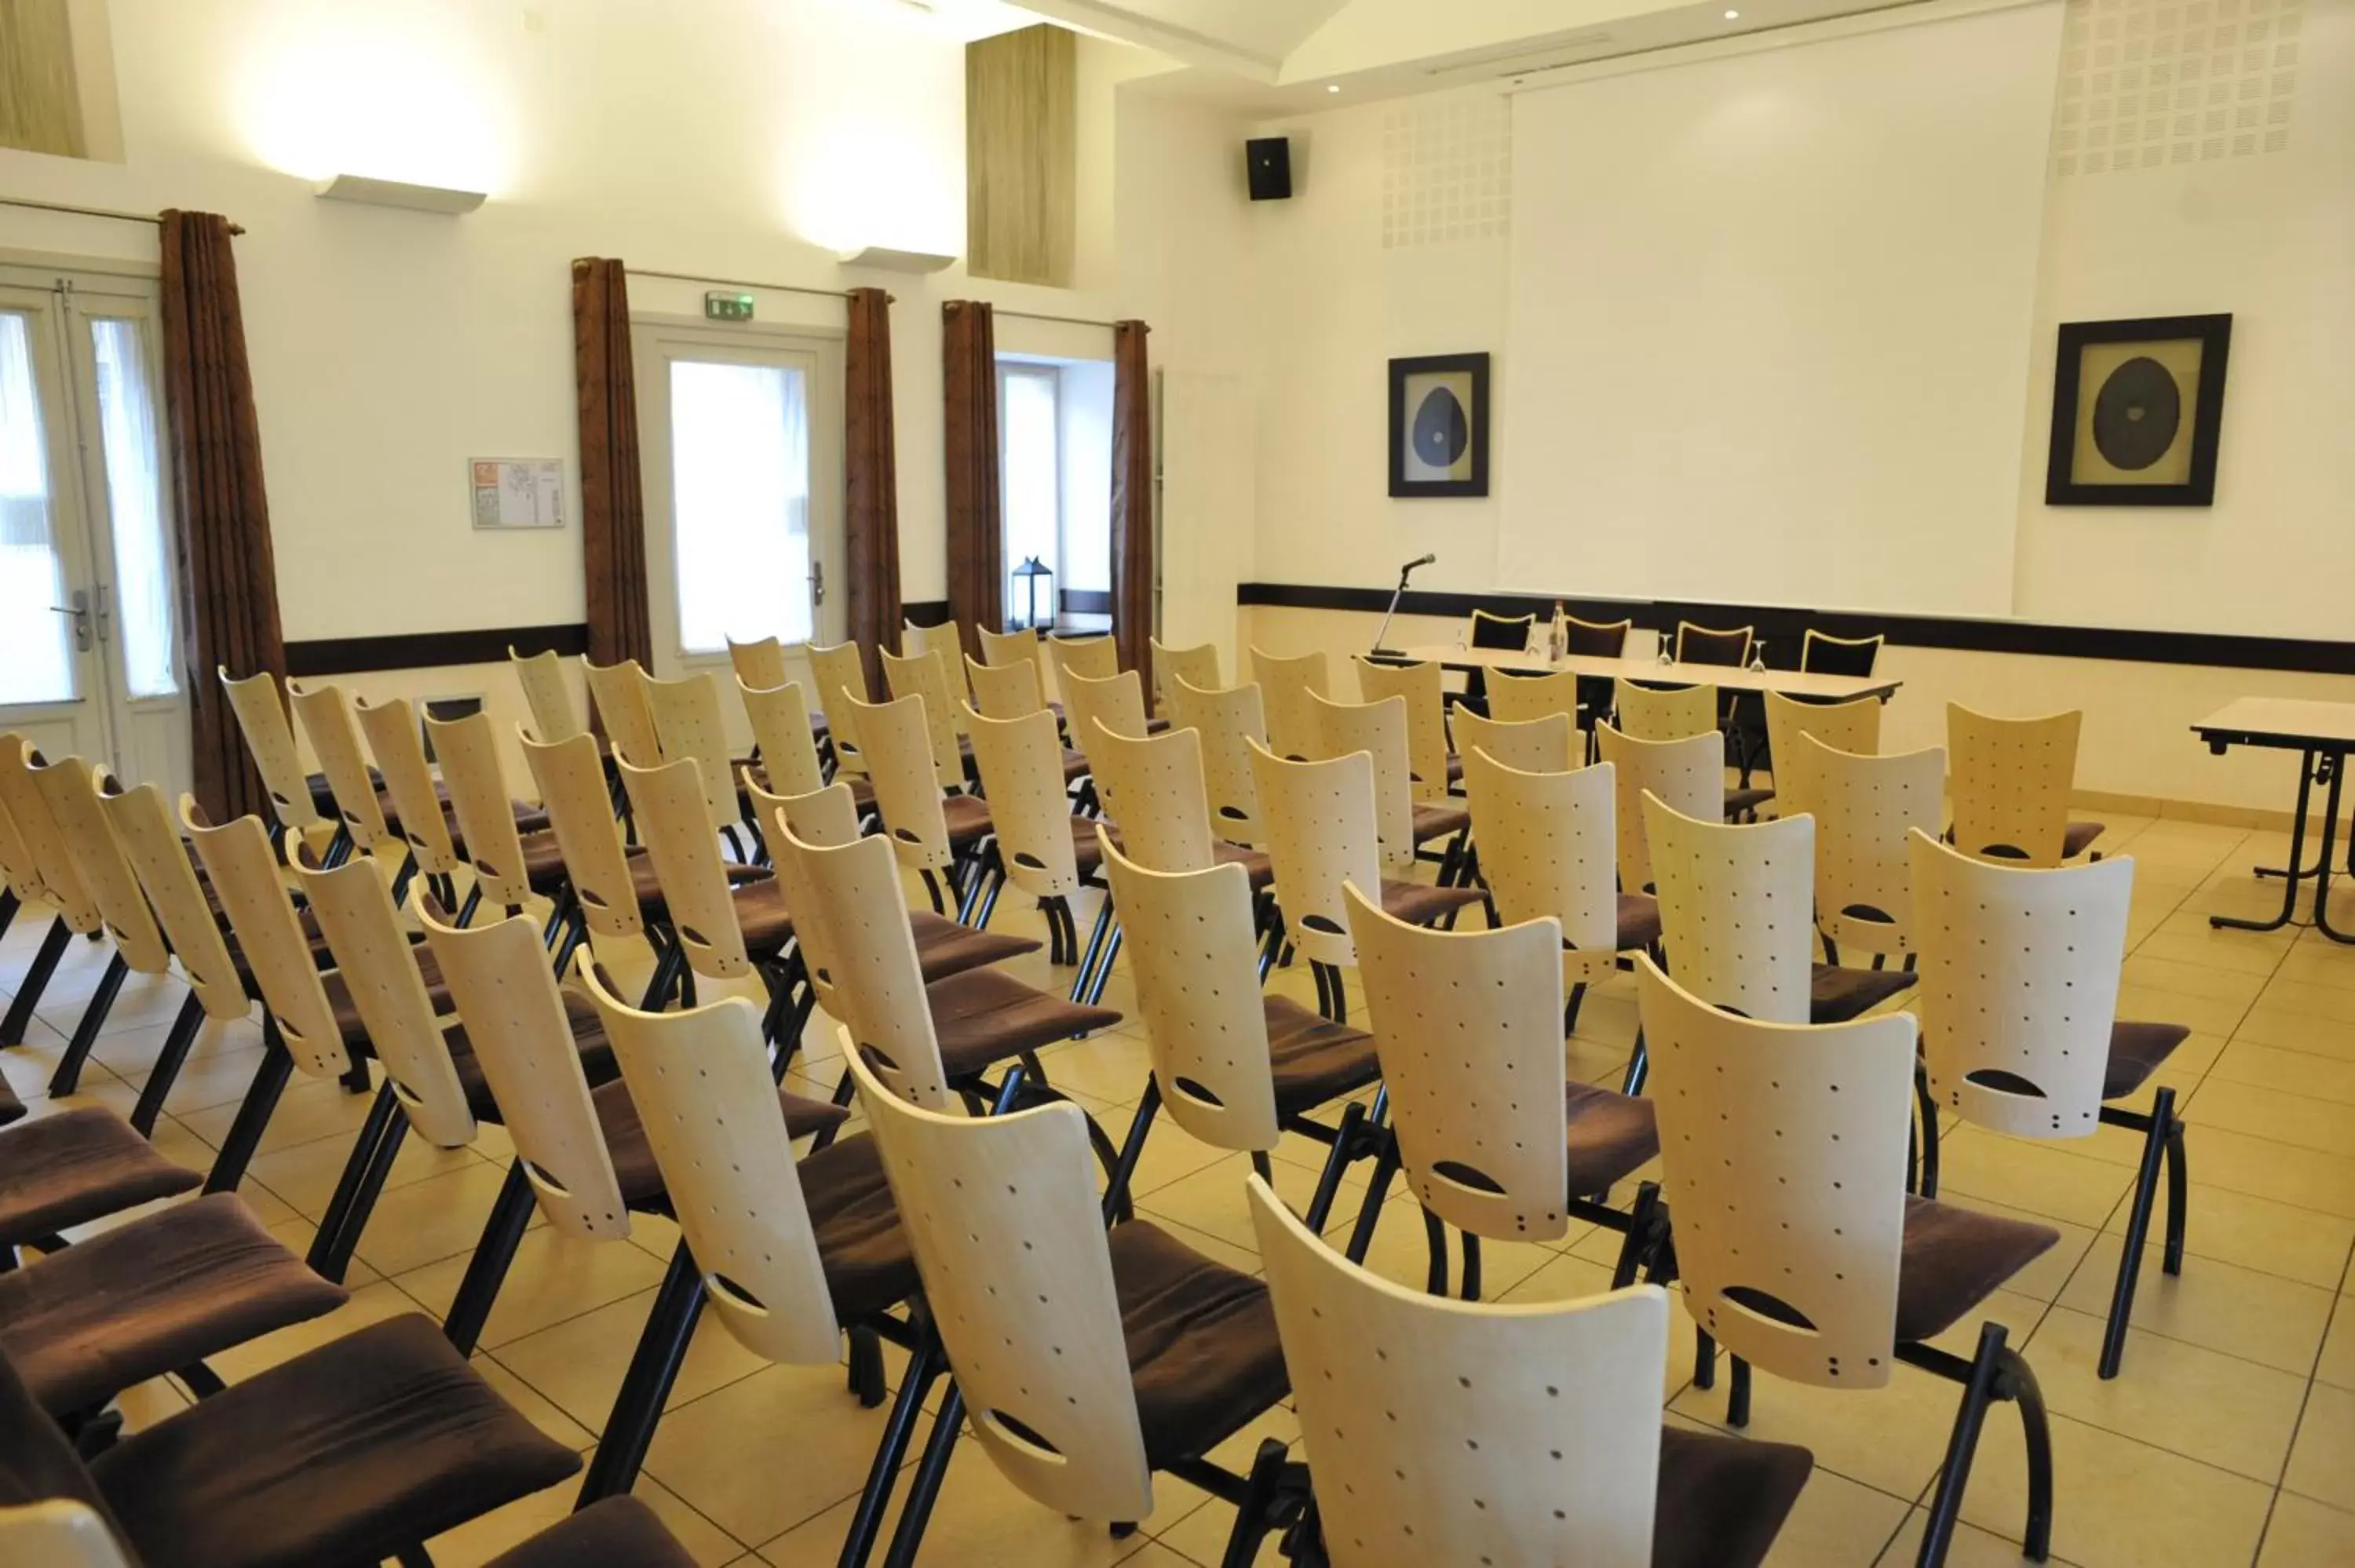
(1770, 321)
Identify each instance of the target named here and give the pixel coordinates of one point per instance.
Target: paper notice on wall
(519, 493)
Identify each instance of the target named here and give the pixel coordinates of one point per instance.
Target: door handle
(817, 582)
(80, 610)
(105, 612)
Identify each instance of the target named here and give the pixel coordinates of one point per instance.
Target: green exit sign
(721, 307)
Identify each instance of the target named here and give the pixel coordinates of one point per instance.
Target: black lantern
(1032, 573)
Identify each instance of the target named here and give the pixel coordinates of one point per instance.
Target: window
(37, 662)
(134, 502)
(740, 486)
(1030, 473)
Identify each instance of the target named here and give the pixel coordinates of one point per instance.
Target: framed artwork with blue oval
(2137, 408)
(1439, 424)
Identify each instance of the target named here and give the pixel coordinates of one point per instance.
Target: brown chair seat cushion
(150, 1298)
(862, 794)
(761, 915)
(1315, 1058)
(984, 1016)
(1741, 802)
(1610, 1135)
(1256, 865)
(1438, 820)
(1722, 1500)
(1075, 766)
(11, 1107)
(2079, 838)
(77, 1166)
(348, 1013)
(945, 947)
(1087, 850)
(619, 1533)
(635, 1171)
(1202, 1344)
(1953, 1259)
(2137, 1051)
(337, 1458)
(1834, 994)
(867, 1264)
(1454, 769)
(597, 1064)
(967, 817)
(1639, 921)
(1420, 903)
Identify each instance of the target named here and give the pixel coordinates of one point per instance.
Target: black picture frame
(2213, 334)
(1473, 368)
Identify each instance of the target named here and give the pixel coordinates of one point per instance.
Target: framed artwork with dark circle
(2137, 410)
(1439, 424)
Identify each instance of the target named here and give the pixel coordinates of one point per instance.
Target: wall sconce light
(399, 193)
(891, 260)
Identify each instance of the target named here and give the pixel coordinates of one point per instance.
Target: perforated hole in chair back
(555, 714)
(926, 676)
(1426, 718)
(1519, 699)
(1551, 844)
(1005, 691)
(1000, 1212)
(570, 778)
(1227, 722)
(1468, 1026)
(689, 723)
(2012, 778)
(1318, 818)
(1688, 775)
(1782, 1147)
(244, 875)
(1664, 712)
(618, 692)
(670, 805)
(142, 826)
(1865, 809)
(841, 676)
(1153, 788)
(1712, 645)
(1448, 1431)
(1021, 763)
(760, 663)
(2019, 986)
(897, 740)
(1736, 909)
(1853, 728)
(853, 920)
(469, 753)
(269, 741)
(326, 715)
(70, 791)
(1545, 744)
(394, 737)
(1285, 687)
(1378, 730)
(782, 729)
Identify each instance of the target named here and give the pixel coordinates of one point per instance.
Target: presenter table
(2323, 734)
(1724, 677)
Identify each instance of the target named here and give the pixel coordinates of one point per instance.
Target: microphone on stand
(1404, 572)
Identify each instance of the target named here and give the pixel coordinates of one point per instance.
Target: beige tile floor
(2229, 1440)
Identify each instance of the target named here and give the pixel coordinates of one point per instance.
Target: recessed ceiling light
(1332, 87)
(1734, 16)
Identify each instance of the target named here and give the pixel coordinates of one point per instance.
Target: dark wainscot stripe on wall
(429, 649)
(1783, 628)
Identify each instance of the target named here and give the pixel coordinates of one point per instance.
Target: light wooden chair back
(19, 873)
(2019, 986)
(469, 753)
(548, 693)
(1117, 702)
(861, 951)
(380, 968)
(1152, 787)
(1197, 665)
(58, 1532)
(570, 778)
(688, 723)
(1379, 730)
(1284, 686)
(618, 692)
(1227, 722)
(841, 675)
(926, 676)
(782, 729)
(1544, 745)
(1689, 775)
(701, 1081)
(760, 663)
(326, 715)
(897, 742)
(1426, 718)
(1000, 649)
(1664, 712)
(394, 737)
(1000, 1212)
(672, 810)
(946, 642)
(1318, 823)
(1093, 658)
(1469, 1028)
(1551, 845)
(71, 793)
(1193, 949)
(1005, 691)
(270, 740)
(1865, 808)
(243, 871)
(827, 818)
(2012, 778)
(142, 825)
(55, 879)
(1497, 1464)
(514, 1012)
(1783, 1149)
(1517, 699)
(1737, 908)
(1021, 763)
(1853, 728)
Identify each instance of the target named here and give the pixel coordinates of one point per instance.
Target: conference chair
(625, 709)
(1547, 744)
(926, 676)
(1286, 686)
(1091, 1361)
(946, 642)
(1005, 691)
(840, 672)
(1697, 644)
(938, 836)
(1197, 665)
(1320, 825)
(2012, 778)
(621, 1533)
(421, 813)
(361, 826)
(73, 1166)
(17, 872)
(1508, 633)
(1493, 1134)
(1433, 770)
(509, 868)
(785, 733)
(64, 813)
(1000, 649)
(1500, 1464)
(1687, 773)
(1799, 1248)
(1227, 722)
(2020, 985)
(760, 663)
(294, 795)
(1594, 639)
(1037, 845)
(556, 716)
(1853, 728)
(1114, 703)
(1519, 699)
(1865, 810)
(1091, 657)
(688, 724)
(1402, 823)
(1664, 712)
(613, 894)
(1824, 654)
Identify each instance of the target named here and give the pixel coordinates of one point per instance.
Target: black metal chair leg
(1345, 1138)
(925, 1490)
(2018, 1383)
(2178, 1194)
(371, 1187)
(1704, 1359)
(1094, 954)
(1639, 1065)
(503, 1231)
(1737, 1397)
(1116, 1201)
(866, 1372)
(1103, 966)
(254, 1115)
(898, 1429)
(348, 1186)
(168, 1061)
(1642, 1217)
(1434, 1241)
(1928, 1109)
(1962, 1443)
(1369, 1213)
(37, 979)
(2146, 1193)
(1570, 1009)
(662, 1345)
(9, 905)
(1471, 1266)
(1252, 1518)
(94, 1018)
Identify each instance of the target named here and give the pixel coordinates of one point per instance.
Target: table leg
(2338, 765)
(2307, 769)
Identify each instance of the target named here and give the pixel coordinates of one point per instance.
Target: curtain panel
(613, 499)
(977, 539)
(1131, 500)
(870, 485)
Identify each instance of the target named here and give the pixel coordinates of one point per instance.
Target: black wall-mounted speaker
(1268, 161)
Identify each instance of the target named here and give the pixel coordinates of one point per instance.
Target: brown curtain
(613, 502)
(976, 542)
(870, 483)
(1131, 500)
(229, 577)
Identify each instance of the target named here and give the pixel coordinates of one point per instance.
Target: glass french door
(89, 648)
